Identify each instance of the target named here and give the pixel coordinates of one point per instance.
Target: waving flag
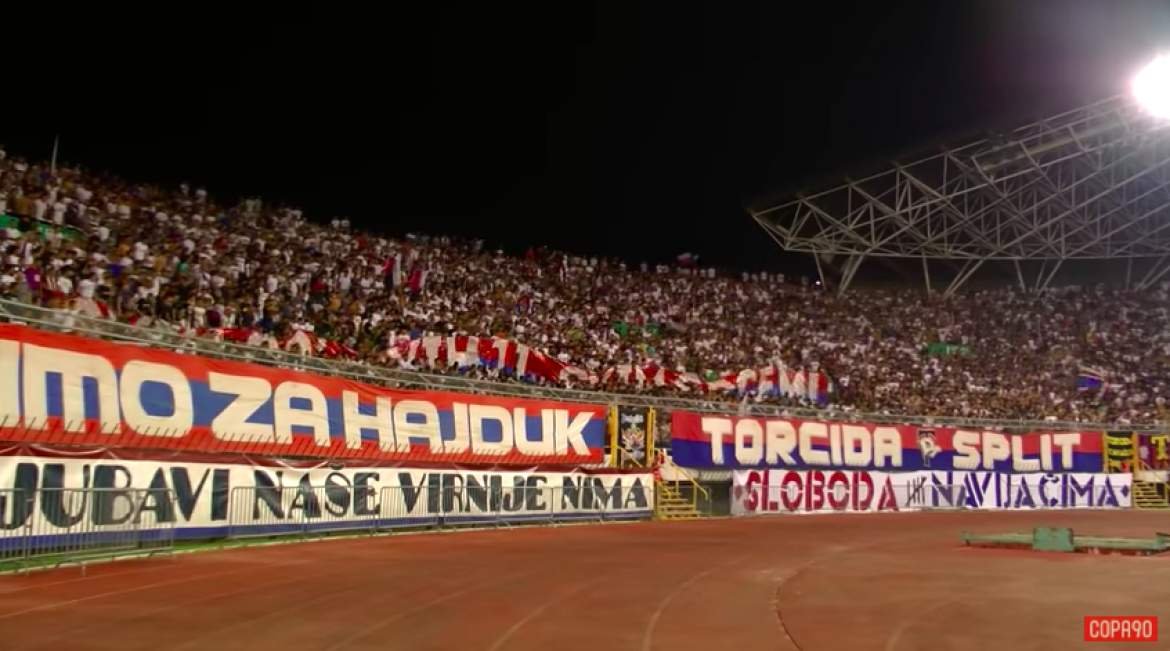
(819, 387)
(1090, 379)
(500, 354)
(799, 385)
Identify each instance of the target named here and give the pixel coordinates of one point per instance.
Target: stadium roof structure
(1089, 184)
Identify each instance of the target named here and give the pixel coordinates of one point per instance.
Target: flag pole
(53, 161)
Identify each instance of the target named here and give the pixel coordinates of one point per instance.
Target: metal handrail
(625, 456)
(697, 488)
(63, 321)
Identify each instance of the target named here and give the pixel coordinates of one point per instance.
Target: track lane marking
(148, 586)
(424, 606)
(523, 621)
(648, 635)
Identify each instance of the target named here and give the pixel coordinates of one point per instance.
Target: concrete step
(677, 512)
(676, 509)
(1147, 495)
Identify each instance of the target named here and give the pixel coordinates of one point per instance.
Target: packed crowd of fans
(175, 259)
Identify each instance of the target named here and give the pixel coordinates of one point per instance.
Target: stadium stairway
(1150, 495)
(671, 504)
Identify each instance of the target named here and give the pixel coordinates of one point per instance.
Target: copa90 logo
(1123, 628)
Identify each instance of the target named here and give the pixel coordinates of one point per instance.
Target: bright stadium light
(1151, 87)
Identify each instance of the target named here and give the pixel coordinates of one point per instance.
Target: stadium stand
(177, 260)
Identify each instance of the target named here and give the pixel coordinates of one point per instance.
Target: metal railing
(684, 487)
(47, 526)
(318, 510)
(1151, 485)
(44, 527)
(60, 321)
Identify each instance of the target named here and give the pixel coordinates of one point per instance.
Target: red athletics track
(875, 581)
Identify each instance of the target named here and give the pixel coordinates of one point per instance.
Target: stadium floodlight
(1151, 87)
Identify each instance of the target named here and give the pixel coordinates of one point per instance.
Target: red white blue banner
(715, 441)
(63, 389)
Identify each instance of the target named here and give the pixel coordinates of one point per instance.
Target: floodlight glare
(1151, 87)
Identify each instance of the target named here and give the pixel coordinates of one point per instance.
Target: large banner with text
(728, 442)
(45, 496)
(861, 491)
(64, 389)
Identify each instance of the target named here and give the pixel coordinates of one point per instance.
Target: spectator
(265, 275)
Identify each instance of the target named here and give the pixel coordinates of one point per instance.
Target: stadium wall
(407, 451)
(790, 465)
(116, 448)
(43, 496)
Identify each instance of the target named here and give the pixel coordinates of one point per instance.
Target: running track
(851, 582)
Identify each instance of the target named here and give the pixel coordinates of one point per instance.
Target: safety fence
(259, 511)
(45, 526)
(49, 526)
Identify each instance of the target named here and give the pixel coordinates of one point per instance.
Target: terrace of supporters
(176, 259)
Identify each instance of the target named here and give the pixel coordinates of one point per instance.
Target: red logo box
(1121, 628)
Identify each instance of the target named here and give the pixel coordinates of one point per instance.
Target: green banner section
(44, 229)
(625, 329)
(943, 349)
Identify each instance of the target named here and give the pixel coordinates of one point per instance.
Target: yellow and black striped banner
(1119, 451)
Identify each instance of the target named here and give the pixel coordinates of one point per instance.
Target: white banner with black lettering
(53, 495)
(1010, 491)
(816, 491)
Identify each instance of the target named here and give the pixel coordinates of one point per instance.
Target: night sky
(608, 129)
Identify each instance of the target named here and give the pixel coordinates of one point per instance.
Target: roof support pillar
(1156, 272)
(968, 270)
(821, 272)
(851, 267)
(1043, 281)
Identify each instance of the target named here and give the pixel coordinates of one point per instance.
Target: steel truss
(1089, 184)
